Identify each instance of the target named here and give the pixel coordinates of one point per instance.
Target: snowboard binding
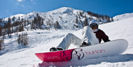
(85, 44)
(55, 49)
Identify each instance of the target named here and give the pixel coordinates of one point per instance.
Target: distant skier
(89, 38)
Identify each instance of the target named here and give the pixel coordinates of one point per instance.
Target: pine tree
(57, 25)
(23, 40)
(86, 21)
(13, 19)
(9, 27)
(37, 22)
(0, 31)
(1, 44)
(1, 20)
(76, 21)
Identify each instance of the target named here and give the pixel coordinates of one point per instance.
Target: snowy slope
(42, 40)
(123, 16)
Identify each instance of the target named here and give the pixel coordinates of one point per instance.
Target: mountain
(14, 54)
(123, 16)
(62, 18)
(42, 40)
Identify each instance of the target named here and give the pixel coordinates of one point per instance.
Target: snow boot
(55, 49)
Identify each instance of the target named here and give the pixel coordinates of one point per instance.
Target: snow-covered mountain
(123, 16)
(13, 55)
(42, 40)
(64, 18)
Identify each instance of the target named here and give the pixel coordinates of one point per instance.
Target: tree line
(102, 17)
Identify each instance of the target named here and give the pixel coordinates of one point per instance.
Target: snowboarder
(89, 38)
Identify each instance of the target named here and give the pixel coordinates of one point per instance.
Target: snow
(68, 18)
(123, 16)
(120, 30)
(63, 10)
(42, 40)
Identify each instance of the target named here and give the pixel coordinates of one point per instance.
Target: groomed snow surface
(42, 40)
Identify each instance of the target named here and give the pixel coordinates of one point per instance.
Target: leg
(89, 36)
(70, 39)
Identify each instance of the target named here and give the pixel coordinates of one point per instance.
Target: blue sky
(106, 7)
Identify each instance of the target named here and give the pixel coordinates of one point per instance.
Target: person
(88, 38)
(100, 34)
(91, 35)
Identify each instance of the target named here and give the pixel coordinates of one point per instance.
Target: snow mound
(123, 16)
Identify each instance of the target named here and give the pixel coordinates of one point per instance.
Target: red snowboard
(57, 56)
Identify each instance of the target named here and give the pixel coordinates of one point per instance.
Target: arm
(105, 38)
